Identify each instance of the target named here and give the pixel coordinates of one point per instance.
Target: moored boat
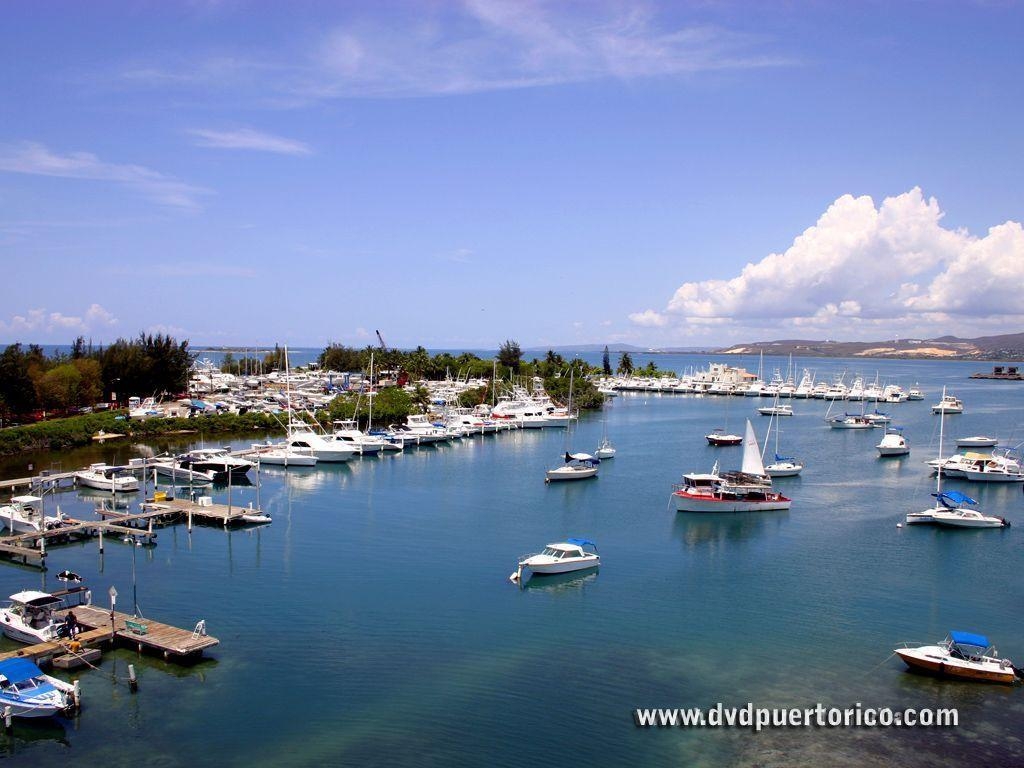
(27, 692)
(964, 656)
(560, 557)
(577, 466)
(106, 478)
(893, 443)
(977, 441)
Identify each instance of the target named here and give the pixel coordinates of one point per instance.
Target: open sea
(373, 623)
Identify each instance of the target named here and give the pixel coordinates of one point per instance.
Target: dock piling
(133, 682)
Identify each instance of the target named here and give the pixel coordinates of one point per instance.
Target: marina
(346, 556)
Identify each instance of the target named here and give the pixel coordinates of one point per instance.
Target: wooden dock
(207, 512)
(145, 635)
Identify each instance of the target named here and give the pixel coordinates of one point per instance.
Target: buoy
(899, 525)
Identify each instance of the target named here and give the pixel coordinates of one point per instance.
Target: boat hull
(936, 662)
(687, 502)
(570, 473)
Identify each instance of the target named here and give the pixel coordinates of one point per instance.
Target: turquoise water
(373, 622)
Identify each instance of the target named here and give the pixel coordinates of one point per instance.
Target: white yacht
(948, 404)
(219, 461)
(106, 478)
(24, 514)
(968, 518)
(347, 433)
(304, 440)
(283, 456)
(560, 557)
(977, 441)
(893, 443)
(419, 430)
(31, 617)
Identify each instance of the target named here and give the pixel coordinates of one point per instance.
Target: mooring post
(101, 541)
(8, 718)
(133, 682)
(76, 695)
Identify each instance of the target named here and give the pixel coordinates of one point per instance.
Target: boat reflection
(711, 529)
(562, 582)
(33, 731)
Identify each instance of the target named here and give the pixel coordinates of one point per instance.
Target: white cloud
(861, 267)
(249, 139)
(39, 325)
(35, 159)
(649, 318)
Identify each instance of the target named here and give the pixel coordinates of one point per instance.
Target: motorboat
(27, 692)
(605, 450)
(560, 557)
(849, 421)
(304, 440)
(877, 418)
(776, 410)
(945, 501)
(719, 437)
(948, 404)
(977, 441)
(748, 490)
(31, 616)
(577, 466)
(419, 430)
(915, 393)
(968, 518)
(893, 443)
(964, 656)
(24, 514)
(347, 434)
(107, 478)
(283, 456)
(997, 468)
(219, 461)
(178, 472)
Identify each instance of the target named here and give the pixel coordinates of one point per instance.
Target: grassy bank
(75, 431)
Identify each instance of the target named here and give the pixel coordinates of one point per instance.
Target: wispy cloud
(249, 139)
(35, 159)
(470, 47)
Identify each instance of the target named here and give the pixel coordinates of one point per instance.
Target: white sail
(752, 463)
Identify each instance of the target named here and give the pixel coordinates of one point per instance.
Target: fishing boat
(106, 478)
(30, 693)
(560, 557)
(893, 443)
(31, 616)
(748, 490)
(24, 514)
(964, 656)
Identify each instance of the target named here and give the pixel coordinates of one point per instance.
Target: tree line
(32, 381)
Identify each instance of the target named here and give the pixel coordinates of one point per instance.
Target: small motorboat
(577, 466)
(776, 410)
(968, 518)
(849, 421)
(30, 693)
(977, 441)
(915, 393)
(24, 514)
(31, 616)
(719, 437)
(945, 501)
(283, 456)
(893, 443)
(560, 557)
(964, 656)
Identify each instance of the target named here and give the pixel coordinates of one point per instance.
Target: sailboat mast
(942, 422)
(369, 396)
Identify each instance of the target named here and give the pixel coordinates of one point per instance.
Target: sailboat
(605, 450)
(783, 466)
(749, 490)
(952, 508)
(577, 466)
(719, 436)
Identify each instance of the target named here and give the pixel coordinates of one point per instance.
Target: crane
(381, 340)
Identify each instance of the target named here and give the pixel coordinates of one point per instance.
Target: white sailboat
(783, 466)
(577, 466)
(605, 450)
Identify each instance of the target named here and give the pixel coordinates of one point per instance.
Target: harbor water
(373, 622)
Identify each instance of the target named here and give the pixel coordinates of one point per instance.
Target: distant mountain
(1005, 347)
(562, 349)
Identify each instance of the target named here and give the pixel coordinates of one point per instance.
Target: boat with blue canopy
(560, 557)
(30, 693)
(964, 656)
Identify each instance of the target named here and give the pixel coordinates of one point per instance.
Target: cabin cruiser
(893, 443)
(948, 404)
(26, 692)
(24, 514)
(577, 466)
(31, 616)
(106, 478)
(176, 471)
(945, 502)
(964, 656)
(968, 518)
(977, 441)
(219, 461)
(720, 437)
(302, 439)
(915, 393)
(776, 410)
(419, 430)
(283, 455)
(560, 557)
(346, 433)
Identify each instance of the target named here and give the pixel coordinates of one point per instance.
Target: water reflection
(702, 528)
(29, 732)
(562, 582)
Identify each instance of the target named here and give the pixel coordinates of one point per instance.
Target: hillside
(1004, 347)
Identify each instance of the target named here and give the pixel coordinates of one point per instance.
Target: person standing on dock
(71, 625)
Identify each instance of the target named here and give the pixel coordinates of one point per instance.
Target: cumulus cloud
(249, 139)
(891, 266)
(32, 158)
(39, 324)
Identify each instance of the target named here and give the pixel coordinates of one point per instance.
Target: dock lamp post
(113, 601)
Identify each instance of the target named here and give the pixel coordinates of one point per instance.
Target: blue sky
(459, 173)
